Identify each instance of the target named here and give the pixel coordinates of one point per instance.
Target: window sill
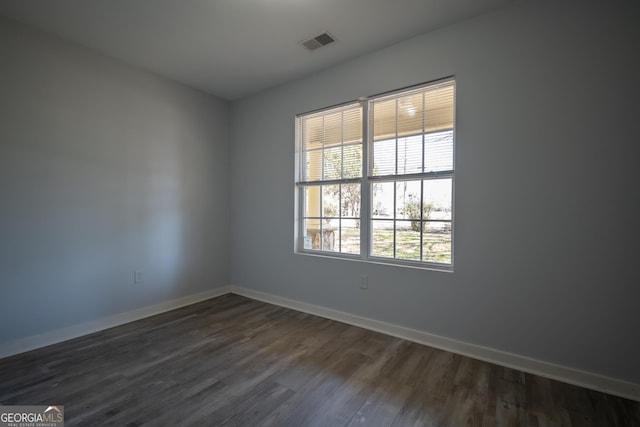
(441, 268)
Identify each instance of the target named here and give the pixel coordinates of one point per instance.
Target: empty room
(319, 213)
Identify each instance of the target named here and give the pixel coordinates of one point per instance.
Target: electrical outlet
(138, 277)
(364, 281)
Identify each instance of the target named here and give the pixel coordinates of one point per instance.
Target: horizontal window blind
(332, 144)
(412, 132)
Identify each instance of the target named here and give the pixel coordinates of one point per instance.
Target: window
(389, 199)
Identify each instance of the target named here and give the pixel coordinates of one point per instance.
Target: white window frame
(366, 181)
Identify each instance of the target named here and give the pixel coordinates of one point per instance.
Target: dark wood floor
(235, 361)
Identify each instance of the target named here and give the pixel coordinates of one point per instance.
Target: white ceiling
(233, 48)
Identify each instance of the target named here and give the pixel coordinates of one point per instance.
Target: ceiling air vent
(318, 41)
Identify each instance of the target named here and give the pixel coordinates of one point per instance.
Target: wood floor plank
(234, 361)
(383, 404)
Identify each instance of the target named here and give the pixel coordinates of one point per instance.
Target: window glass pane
(436, 196)
(384, 157)
(350, 200)
(382, 238)
(410, 114)
(384, 119)
(352, 161)
(330, 200)
(408, 240)
(313, 165)
(312, 132)
(439, 108)
(312, 201)
(350, 236)
(352, 125)
(410, 155)
(330, 231)
(312, 234)
(436, 242)
(333, 129)
(333, 163)
(438, 151)
(322, 235)
(408, 200)
(382, 196)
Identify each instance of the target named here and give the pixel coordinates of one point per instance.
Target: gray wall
(547, 195)
(104, 169)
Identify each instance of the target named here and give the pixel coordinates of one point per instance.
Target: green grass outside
(436, 245)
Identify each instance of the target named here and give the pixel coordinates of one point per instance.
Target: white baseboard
(538, 367)
(36, 341)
